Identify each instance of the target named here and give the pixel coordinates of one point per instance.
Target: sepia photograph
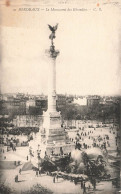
(60, 96)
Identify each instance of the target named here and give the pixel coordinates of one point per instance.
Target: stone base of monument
(52, 139)
(51, 150)
(59, 148)
(52, 127)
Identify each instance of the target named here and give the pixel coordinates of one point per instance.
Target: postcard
(60, 94)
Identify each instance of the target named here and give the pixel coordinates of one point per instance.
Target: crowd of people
(101, 141)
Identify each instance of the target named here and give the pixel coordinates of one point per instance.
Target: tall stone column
(52, 54)
(51, 115)
(52, 118)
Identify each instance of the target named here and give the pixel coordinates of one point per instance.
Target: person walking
(94, 184)
(81, 184)
(20, 171)
(84, 188)
(37, 173)
(57, 177)
(16, 178)
(54, 179)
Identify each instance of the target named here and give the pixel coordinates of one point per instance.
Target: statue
(52, 35)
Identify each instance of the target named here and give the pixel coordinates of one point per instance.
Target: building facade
(27, 121)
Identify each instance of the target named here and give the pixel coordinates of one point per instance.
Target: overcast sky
(89, 44)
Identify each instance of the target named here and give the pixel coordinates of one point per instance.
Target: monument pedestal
(52, 126)
(52, 139)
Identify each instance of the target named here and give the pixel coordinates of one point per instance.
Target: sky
(89, 45)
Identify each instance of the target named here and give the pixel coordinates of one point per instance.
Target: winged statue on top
(52, 35)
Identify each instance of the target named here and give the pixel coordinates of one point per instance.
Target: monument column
(53, 137)
(52, 119)
(52, 54)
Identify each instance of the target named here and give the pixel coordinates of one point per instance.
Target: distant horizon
(35, 94)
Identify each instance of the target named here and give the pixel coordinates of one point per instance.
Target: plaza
(28, 179)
